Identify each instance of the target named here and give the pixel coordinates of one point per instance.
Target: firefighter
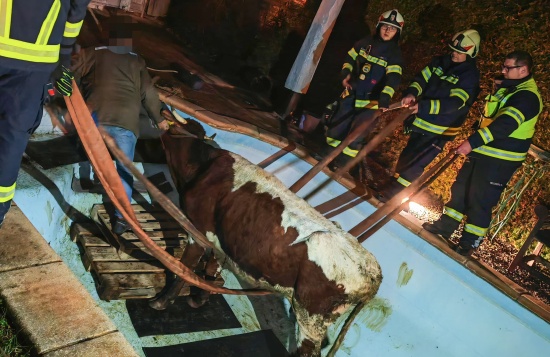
(440, 97)
(494, 152)
(36, 38)
(370, 76)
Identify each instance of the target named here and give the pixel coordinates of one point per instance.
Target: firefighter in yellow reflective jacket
(370, 76)
(440, 96)
(36, 38)
(494, 152)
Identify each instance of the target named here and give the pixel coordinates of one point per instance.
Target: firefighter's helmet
(392, 18)
(466, 42)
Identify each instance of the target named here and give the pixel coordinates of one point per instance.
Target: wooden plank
(129, 267)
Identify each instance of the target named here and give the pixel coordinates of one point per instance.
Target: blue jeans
(126, 141)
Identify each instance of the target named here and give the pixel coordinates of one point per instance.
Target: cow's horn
(178, 117)
(211, 137)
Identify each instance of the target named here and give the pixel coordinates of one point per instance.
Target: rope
(512, 195)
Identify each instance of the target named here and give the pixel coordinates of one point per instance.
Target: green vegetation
(504, 26)
(9, 346)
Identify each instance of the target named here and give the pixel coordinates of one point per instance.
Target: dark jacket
(116, 86)
(513, 112)
(36, 32)
(445, 92)
(375, 67)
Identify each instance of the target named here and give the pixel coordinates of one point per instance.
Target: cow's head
(187, 149)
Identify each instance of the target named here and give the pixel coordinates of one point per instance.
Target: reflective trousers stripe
(454, 214)
(7, 193)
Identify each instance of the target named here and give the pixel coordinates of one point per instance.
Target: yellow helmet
(466, 42)
(392, 18)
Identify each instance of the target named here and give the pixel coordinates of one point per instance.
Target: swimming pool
(428, 304)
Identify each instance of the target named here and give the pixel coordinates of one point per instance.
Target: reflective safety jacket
(514, 110)
(34, 32)
(375, 67)
(445, 92)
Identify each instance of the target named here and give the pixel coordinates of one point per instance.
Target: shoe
(437, 230)
(465, 252)
(121, 226)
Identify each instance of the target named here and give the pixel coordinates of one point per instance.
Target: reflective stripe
(501, 154)
(72, 30)
(7, 193)
(29, 51)
(514, 113)
(427, 74)
(40, 51)
(434, 106)
(352, 53)
(476, 230)
(47, 26)
(454, 214)
(350, 152)
(404, 182)
(394, 69)
(366, 104)
(451, 79)
(432, 128)
(461, 93)
(389, 91)
(377, 60)
(438, 72)
(347, 66)
(333, 142)
(416, 86)
(5, 17)
(486, 135)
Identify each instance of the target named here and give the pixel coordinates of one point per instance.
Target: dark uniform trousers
(346, 119)
(476, 191)
(22, 95)
(420, 151)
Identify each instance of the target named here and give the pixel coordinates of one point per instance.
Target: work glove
(408, 125)
(63, 80)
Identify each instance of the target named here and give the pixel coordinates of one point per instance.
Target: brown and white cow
(270, 237)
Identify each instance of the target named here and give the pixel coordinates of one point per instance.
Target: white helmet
(392, 18)
(466, 42)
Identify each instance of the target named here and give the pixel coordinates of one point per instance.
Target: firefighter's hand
(408, 100)
(345, 82)
(63, 78)
(413, 108)
(163, 125)
(465, 148)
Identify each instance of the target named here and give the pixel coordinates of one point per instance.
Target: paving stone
(51, 306)
(21, 245)
(113, 344)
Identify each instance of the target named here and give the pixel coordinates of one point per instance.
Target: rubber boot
(4, 208)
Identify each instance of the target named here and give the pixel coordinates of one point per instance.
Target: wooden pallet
(132, 273)
(158, 225)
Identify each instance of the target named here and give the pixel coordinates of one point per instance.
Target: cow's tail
(338, 342)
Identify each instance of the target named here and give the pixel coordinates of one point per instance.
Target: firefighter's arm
(394, 70)
(520, 107)
(149, 95)
(420, 81)
(351, 57)
(463, 94)
(75, 18)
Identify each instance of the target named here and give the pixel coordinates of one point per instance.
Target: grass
(9, 344)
